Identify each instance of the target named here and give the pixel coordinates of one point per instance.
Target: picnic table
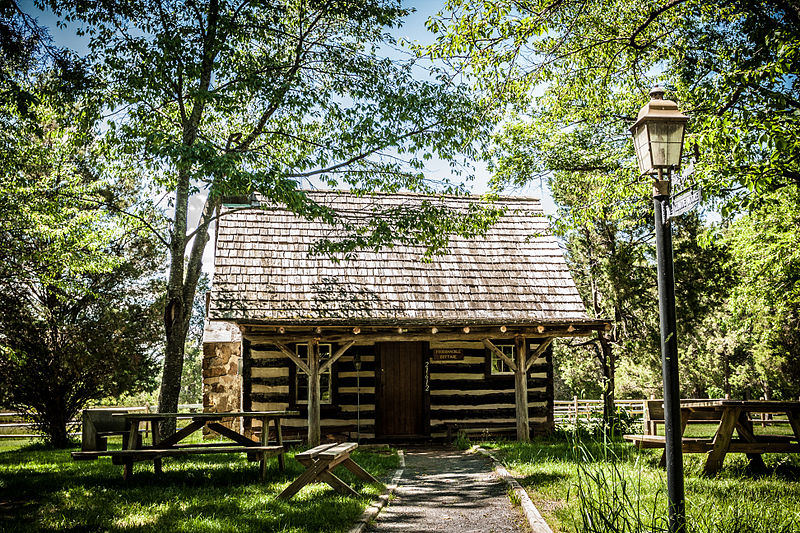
(732, 415)
(172, 445)
(319, 463)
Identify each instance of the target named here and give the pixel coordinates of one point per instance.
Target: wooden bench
(120, 457)
(730, 416)
(320, 462)
(765, 444)
(653, 416)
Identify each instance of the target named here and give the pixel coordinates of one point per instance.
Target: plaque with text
(448, 354)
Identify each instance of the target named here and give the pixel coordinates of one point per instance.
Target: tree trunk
(607, 363)
(54, 425)
(173, 363)
(183, 275)
(181, 290)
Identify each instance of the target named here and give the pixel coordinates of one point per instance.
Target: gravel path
(443, 489)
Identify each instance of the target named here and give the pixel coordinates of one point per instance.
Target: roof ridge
(348, 192)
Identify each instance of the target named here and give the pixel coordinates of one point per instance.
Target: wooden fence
(568, 411)
(17, 426)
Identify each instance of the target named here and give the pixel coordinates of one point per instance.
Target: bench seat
(333, 451)
(148, 454)
(765, 444)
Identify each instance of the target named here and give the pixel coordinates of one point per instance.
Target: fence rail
(19, 426)
(566, 411)
(570, 411)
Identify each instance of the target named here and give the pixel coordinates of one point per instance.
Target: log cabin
(385, 346)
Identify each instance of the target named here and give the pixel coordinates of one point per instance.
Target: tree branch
(649, 20)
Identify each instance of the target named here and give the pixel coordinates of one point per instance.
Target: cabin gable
(412, 342)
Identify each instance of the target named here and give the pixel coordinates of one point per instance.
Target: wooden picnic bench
(320, 462)
(133, 451)
(654, 416)
(731, 415)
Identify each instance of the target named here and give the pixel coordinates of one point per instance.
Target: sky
(413, 30)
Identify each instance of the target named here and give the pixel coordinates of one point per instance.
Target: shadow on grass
(44, 490)
(542, 478)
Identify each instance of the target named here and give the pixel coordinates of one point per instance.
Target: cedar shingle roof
(516, 274)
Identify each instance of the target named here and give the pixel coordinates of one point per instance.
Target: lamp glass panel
(666, 141)
(642, 146)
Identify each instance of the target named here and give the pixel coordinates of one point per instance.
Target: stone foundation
(222, 363)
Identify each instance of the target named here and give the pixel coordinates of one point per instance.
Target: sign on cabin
(448, 354)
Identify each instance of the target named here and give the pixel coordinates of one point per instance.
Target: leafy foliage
(76, 321)
(573, 76)
(219, 98)
(764, 308)
(579, 74)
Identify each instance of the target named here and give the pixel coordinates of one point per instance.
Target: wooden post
(521, 390)
(313, 393)
(575, 407)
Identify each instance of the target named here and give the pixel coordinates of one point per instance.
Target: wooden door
(400, 398)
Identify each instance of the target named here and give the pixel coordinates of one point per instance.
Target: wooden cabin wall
(268, 374)
(462, 394)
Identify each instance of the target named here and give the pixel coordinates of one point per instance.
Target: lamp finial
(657, 93)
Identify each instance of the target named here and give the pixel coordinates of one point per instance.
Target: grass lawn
(45, 490)
(577, 489)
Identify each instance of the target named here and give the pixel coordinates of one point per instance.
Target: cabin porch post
(313, 393)
(521, 389)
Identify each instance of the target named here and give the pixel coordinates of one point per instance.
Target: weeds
(586, 485)
(514, 498)
(608, 496)
(462, 441)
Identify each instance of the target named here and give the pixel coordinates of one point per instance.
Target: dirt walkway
(443, 489)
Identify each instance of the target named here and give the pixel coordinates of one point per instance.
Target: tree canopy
(218, 98)
(580, 72)
(572, 76)
(76, 322)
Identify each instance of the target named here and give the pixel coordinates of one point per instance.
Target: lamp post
(658, 140)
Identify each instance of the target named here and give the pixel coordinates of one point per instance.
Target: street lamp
(658, 140)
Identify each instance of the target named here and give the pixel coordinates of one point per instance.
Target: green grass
(589, 486)
(45, 490)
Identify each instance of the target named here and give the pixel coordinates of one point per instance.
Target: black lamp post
(658, 140)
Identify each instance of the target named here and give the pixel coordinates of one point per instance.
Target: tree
(764, 308)
(582, 72)
(609, 260)
(77, 318)
(221, 98)
(61, 348)
(76, 321)
(575, 75)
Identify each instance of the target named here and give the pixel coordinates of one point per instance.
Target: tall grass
(608, 495)
(594, 485)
